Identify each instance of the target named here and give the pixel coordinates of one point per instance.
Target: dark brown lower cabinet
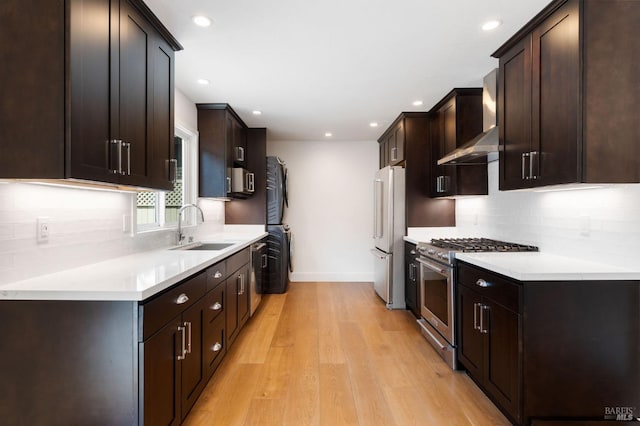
(411, 291)
(160, 376)
(237, 302)
(489, 347)
(120, 362)
(551, 352)
(68, 363)
(193, 373)
(172, 373)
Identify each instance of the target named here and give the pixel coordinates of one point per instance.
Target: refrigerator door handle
(377, 208)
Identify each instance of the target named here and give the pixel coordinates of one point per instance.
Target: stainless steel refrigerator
(388, 231)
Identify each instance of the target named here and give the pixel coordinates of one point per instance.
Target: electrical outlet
(42, 229)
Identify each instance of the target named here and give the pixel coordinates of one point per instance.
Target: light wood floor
(332, 354)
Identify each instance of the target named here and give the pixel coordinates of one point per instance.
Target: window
(158, 210)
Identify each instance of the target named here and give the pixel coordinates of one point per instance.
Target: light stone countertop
(539, 266)
(135, 277)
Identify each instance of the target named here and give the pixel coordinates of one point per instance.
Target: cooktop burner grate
(479, 244)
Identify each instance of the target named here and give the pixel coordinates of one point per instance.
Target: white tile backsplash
(601, 223)
(86, 226)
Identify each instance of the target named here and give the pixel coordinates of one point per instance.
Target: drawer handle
(483, 283)
(216, 347)
(183, 298)
(218, 274)
(216, 306)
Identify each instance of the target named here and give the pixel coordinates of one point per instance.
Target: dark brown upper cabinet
(410, 133)
(455, 120)
(87, 93)
(568, 103)
(392, 145)
(223, 148)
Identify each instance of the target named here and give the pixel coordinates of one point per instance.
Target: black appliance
(437, 286)
(279, 241)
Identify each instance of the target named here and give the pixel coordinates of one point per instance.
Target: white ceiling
(335, 65)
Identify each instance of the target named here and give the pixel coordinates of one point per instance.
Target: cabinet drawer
(162, 308)
(236, 261)
(214, 343)
(216, 274)
(214, 303)
(495, 287)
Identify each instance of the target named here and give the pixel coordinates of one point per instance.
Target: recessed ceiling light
(491, 25)
(201, 21)
(417, 103)
(328, 134)
(256, 112)
(203, 81)
(373, 124)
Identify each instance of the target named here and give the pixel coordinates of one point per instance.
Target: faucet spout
(180, 211)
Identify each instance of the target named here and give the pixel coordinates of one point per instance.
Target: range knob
(443, 255)
(431, 252)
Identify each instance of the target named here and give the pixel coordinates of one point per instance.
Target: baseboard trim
(331, 277)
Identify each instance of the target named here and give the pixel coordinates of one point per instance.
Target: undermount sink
(206, 246)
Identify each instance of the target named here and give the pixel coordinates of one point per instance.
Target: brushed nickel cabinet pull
(183, 350)
(187, 324)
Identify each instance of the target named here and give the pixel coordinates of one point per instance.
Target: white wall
(185, 113)
(594, 223)
(330, 201)
(86, 226)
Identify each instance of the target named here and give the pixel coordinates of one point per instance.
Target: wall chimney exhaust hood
(484, 147)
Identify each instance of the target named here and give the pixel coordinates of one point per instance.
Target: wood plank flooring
(332, 354)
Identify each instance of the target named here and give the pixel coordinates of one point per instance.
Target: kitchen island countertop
(541, 266)
(135, 277)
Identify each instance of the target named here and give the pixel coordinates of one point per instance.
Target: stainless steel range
(437, 289)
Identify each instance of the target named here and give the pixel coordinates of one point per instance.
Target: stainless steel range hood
(484, 147)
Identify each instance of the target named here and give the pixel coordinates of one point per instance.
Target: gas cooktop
(479, 244)
(444, 249)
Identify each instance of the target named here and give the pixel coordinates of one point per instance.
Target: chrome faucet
(182, 209)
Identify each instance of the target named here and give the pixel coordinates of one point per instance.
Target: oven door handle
(433, 267)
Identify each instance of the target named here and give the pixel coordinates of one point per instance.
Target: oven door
(436, 297)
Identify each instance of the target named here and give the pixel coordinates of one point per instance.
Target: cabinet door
(449, 138)
(411, 279)
(163, 165)
(470, 345)
(443, 133)
(92, 33)
(231, 307)
(514, 115)
(384, 160)
(160, 373)
(193, 372)
(555, 99)
(502, 365)
(243, 296)
(135, 86)
(396, 144)
(239, 144)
